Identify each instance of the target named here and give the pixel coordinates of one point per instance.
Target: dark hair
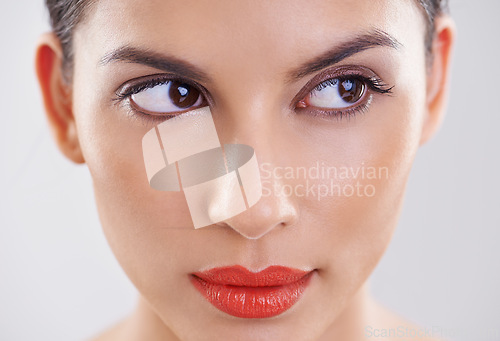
(65, 15)
(432, 9)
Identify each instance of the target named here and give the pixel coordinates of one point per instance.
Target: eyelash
(123, 98)
(374, 84)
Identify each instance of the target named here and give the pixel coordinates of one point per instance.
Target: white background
(60, 281)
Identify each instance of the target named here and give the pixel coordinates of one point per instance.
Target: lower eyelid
(362, 107)
(135, 108)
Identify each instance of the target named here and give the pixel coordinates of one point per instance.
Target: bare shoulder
(389, 325)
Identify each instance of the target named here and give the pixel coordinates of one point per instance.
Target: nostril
(269, 214)
(255, 236)
(214, 201)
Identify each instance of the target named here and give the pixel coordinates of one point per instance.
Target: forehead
(257, 34)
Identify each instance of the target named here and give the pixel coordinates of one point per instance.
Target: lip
(239, 292)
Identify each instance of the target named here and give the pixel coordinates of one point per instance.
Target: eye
(336, 93)
(167, 97)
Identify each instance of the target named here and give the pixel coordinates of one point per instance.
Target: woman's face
(259, 65)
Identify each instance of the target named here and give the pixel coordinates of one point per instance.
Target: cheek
(111, 141)
(132, 214)
(364, 163)
(141, 225)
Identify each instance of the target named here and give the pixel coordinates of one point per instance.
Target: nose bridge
(253, 119)
(259, 130)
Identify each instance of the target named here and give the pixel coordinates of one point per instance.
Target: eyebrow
(374, 38)
(130, 54)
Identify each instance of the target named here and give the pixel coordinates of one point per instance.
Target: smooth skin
(247, 49)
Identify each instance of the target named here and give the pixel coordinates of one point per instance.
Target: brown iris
(183, 95)
(351, 90)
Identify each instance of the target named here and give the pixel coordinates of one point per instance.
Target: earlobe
(56, 94)
(438, 76)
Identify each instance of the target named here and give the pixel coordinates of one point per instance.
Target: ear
(57, 96)
(438, 76)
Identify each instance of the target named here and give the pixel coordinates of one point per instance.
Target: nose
(275, 208)
(272, 211)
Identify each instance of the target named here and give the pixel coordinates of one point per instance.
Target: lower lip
(241, 293)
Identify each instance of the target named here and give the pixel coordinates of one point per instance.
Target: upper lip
(240, 276)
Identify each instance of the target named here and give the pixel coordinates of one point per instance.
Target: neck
(352, 321)
(145, 324)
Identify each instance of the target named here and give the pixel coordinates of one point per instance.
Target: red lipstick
(242, 293)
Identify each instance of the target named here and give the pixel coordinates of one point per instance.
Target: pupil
(182, 94)
(351, 90)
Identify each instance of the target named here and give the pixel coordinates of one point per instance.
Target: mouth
(239, 292)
